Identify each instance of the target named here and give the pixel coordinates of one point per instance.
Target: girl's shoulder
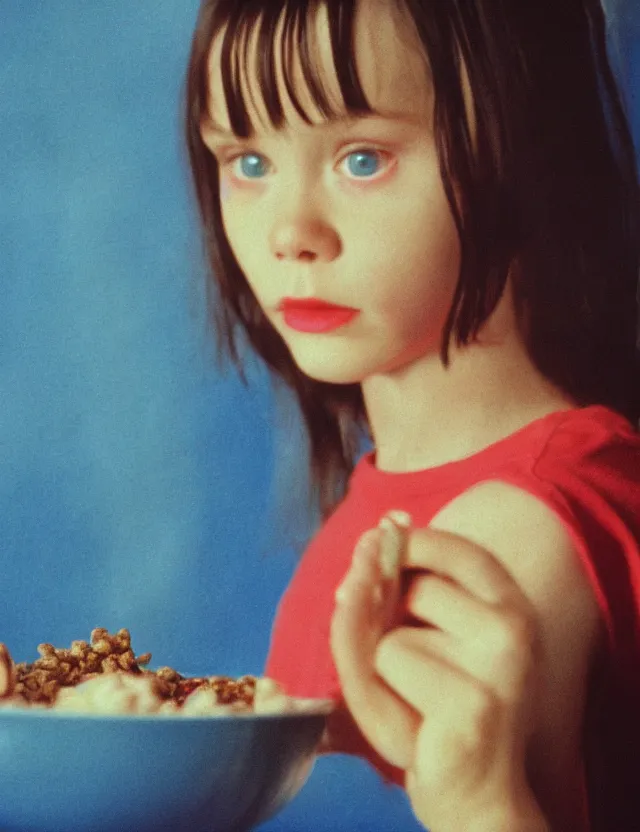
(592, 444)
(567, 484)
(596, 425)
(564, 445)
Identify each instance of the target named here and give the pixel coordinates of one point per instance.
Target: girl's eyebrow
(332, 122)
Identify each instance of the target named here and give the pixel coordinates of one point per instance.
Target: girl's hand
(449, 701)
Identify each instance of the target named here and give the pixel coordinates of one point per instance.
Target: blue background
(137, 484)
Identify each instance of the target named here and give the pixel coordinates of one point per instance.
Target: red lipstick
(315, 316)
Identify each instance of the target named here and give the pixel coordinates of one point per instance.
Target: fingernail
(390, 548)
(401, 518)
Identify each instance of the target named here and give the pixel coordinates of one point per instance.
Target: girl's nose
(304, 239)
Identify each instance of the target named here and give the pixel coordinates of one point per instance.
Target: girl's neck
(426, 415)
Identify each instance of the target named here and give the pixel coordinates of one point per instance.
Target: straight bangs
(297, 22)
(251, 33)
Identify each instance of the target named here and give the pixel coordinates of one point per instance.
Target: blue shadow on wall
(136, 480)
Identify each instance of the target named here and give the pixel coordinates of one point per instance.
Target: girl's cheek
(235, 188)
(228, 187)
(225, 189)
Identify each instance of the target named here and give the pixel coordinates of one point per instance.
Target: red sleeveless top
(584, 465)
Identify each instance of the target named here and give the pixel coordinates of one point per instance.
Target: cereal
(56, 668)
(104, 676)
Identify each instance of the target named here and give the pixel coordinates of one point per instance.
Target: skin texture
(384, 243)
(452, 707)
(483, 707)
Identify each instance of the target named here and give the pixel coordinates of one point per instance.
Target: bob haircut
(546, 190)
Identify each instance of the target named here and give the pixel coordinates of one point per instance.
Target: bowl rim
(308, 708)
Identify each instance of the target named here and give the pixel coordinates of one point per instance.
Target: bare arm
(494, 690)
(537, 550)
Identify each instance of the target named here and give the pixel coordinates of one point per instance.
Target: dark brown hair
(548, 184)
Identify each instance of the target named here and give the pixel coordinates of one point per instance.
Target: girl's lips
(315, 316)
(318, 320)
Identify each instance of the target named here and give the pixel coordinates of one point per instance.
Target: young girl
(423, 217)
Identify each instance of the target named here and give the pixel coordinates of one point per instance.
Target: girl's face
(351, 212)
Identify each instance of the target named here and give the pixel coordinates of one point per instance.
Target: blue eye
(365, 162)
(252, 165)
(361, 163)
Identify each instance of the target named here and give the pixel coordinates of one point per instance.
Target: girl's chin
(346, 367)
(330, 372)
(332, 377)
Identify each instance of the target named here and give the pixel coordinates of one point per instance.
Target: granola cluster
(105, 676)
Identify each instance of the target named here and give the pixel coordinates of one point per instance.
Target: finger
(428, 682)
(443, 604)
(463, 724)
(475, 569)
(378, 558)
(497, 644)
(362, 588)
(395, 526)
(503, 671)
(358, 623)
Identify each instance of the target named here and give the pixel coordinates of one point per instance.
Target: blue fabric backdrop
(135, 478)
